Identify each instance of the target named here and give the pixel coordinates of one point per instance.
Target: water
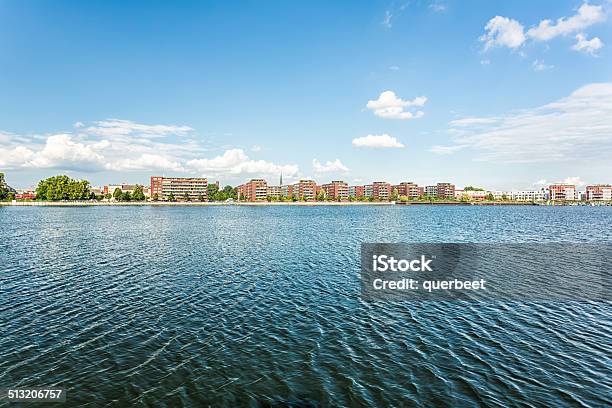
(242, 306)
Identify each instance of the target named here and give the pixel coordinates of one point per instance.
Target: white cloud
(587, 46)
(485, 62)
(255, 148)
(236, 162)
(146, 161)
(503, 32)
(390, 106)
(573, 180)
(587, 15)
(394, 68)
(472, 121)
(539, 65)
(117, 128)
(78, 125)
(445, 150)
(377, 141)
(61, 151)
(438, 7)
(541, 182)
(335, 166)
(577, 127)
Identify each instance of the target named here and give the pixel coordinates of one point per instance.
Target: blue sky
(472, 92)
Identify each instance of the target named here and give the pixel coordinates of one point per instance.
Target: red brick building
(305, 190)
(254, 190)
(408, 189)
(445, 191)
(599, 192)
(562, 192)
(336, 190)
(381, 190)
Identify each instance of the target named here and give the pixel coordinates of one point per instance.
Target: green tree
(108, 196)
(213, 189)
(126, 196)
(200, 197)
(4, 190)
(62, 188)
(171, 197)
(472, 188)
(137, 193)
(155, 197)
(321, 195)
(118, 194)
(395, 195)
(490, 197)
(186, 197)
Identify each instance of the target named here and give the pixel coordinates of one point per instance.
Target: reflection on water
(233, 306)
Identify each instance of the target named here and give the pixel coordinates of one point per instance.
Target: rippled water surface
(235, 306)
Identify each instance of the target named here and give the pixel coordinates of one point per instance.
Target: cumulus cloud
(236, 162)
(390, 106)
(506, 32)
(577, 127)
(335, 166)
(587, 46)
(503, 32)
(573, 180)
(586, 16)
(377, 141)
(120, 146)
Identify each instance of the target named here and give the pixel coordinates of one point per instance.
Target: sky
(501, 95)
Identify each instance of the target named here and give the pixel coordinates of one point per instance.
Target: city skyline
(210, 90)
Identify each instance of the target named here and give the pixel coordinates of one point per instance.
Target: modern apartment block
(381, 190)
(599, 192)
(562, 192)
(179, 187)
(521, 195)
(305, 190)
(431, 191)
(445, 191)
(253, 190)
(408, 189)
(274, 191)
(336, 190)
(356, 191)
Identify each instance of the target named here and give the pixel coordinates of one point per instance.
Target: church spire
(281, 179)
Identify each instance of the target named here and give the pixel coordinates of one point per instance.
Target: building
(254, 190)
(179, 187)
(25, 195)
(599, 192)
(431, 191)
(381, 190)
(356, 191)
(336, 190)
(305, 190)
(286, 190)
(528, 195)
(368, 190)
(562, 192)
(445, 191)
(124, 188)
(274, 191)
(408, 189)
(472, 195)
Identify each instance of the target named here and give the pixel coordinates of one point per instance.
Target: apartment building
(275, 191)
(368, 190)
(336, 190)
(178, 187)
(356, 191)
(253, 190)
(445, 191)
(431, 191)
(286, 190)
(305, 190)
(599, 192)
(381, 190)
(408, 189)
(562, 192)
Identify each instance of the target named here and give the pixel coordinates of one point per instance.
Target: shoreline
(266, 203)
